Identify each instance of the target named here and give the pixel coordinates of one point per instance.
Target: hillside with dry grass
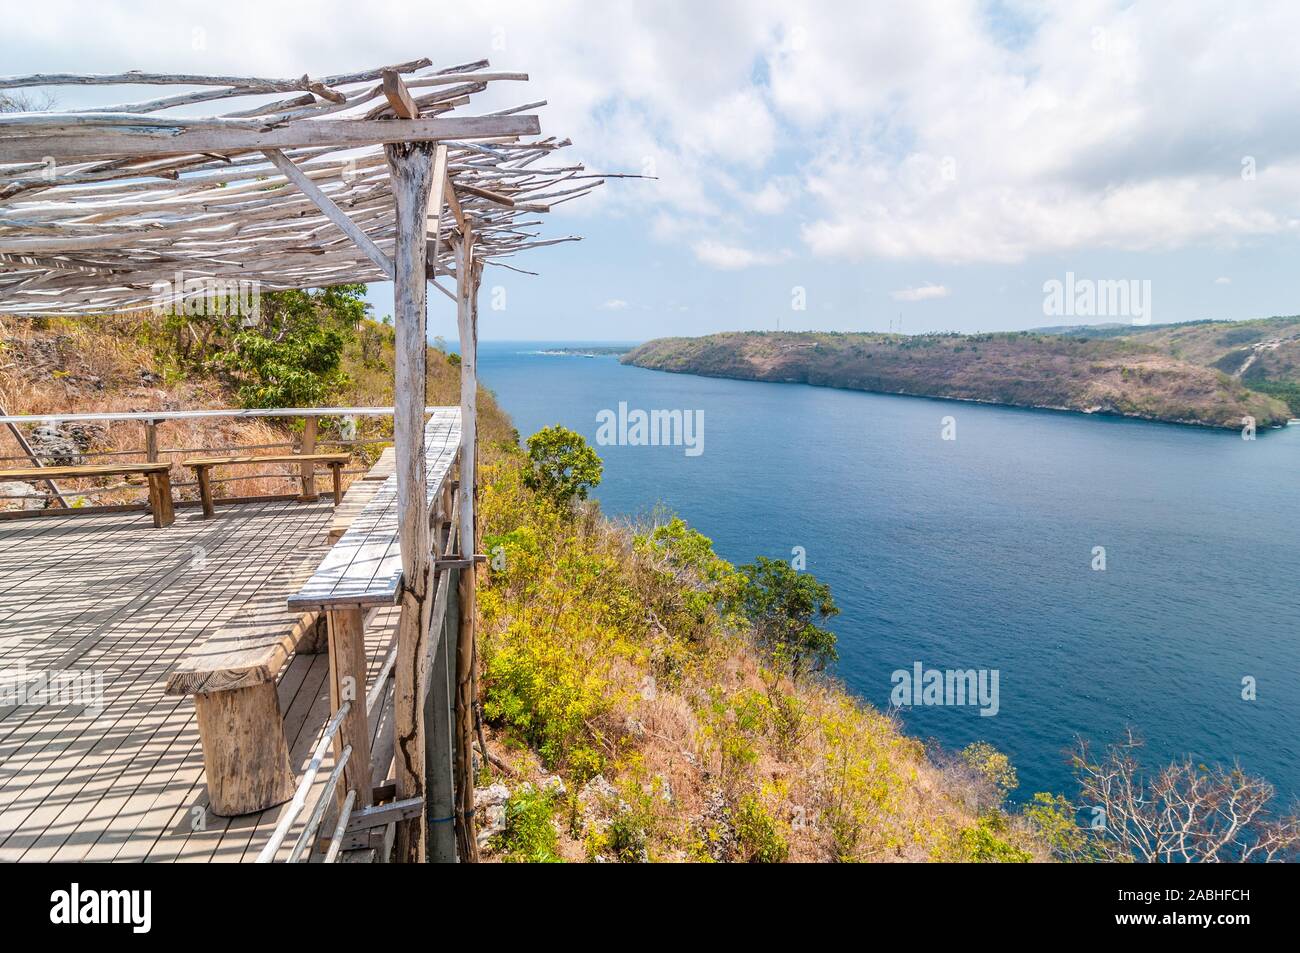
(1113, 375)
(634, 715)
(112, 364)
(1263, 353)
(626, 716)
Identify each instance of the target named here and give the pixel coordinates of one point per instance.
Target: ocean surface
(978, 552)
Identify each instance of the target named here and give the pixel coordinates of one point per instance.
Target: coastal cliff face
(1117, 376)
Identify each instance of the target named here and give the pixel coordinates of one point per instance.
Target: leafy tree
(563, 467)
(690, 586)
(1054, 819)
(992, 766)
(292, 356)
(298, 369)
(784, 606)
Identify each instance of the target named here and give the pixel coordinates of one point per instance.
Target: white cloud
(614, 304)
(944, 130)
(923, 293)
(1092, 133)
(734, 257)
(1223, 281)
(775, 196)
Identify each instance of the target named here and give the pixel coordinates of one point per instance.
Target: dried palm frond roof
(100, 207)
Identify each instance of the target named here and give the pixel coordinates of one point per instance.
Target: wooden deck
(111, 598)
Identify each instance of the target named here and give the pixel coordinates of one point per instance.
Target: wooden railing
(429, 698)
(348, 735)
(363, 572)
(151, 451)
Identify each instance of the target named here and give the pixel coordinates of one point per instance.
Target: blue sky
(927, 166)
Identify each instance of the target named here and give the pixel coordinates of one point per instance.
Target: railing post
(307, 446)
(440, 797)
(347, 648)
(468, 273)
(151, 441)
(415, 169)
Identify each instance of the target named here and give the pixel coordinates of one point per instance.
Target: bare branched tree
(25, 102)
(1187, 812)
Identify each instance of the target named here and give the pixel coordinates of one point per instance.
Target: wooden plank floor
(117, 603)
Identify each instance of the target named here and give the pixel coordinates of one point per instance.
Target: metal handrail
(158, 416)
(322, 802)
(299, 799)
(325, 441)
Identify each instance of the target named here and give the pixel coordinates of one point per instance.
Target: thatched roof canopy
(100, 208)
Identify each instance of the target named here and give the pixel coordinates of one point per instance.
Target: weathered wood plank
(267, 458)
(250, 649)
(364, 567)
(88, 470)
(75, 791)
(61, 144)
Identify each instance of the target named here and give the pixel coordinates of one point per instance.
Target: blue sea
(978, 552)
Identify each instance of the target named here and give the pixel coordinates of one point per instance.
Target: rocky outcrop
(20, 496)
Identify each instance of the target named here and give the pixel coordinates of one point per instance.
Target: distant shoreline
(1115, 378)
(616, 350)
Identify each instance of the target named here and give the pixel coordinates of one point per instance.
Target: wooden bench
(364, 568)
(158, 474)
(355, 500)
(232, 676)
(361, 572)
(335, 461)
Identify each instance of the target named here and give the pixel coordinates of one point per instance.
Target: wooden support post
(204, 475)
(337, 473)
(347, 648)
(467, 278)
(440, 700)
(306, 446)
(440, 801)
(245, 755)
(151, 441)
(411, 168)
(160, 499)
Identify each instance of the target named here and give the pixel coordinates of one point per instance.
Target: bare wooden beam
(62, 144)
(453, 203)
(411, 176)
(331, 211)
(468, 272)
(437, 196)
(496, 197)
(399, 97)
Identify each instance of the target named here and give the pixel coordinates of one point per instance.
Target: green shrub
(782, 605)
(758, 834)
(1054, 819)
(983, 843)
(530, 836)
(563, 467)
(993, 766)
